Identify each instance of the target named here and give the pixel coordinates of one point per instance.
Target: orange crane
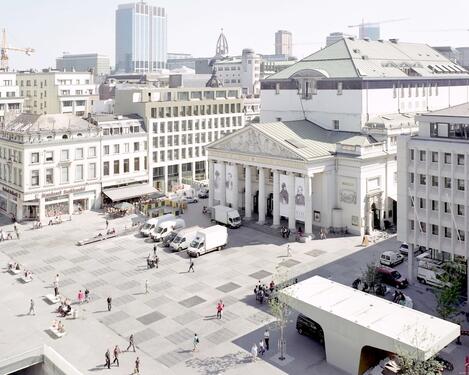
(5, 48)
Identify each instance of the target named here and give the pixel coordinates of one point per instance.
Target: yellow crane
(5, 48)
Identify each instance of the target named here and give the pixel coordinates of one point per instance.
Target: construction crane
(4, 52)
(377, 23)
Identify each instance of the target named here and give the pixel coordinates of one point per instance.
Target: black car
(308, 327)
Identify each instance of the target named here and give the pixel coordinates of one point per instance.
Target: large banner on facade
(300, 198)
(217, 181)
(284, 195)
(230, 175)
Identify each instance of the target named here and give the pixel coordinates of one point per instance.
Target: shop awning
(128, 192)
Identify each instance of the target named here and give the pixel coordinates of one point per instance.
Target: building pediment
(251, 141)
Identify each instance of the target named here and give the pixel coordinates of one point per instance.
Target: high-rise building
(335, 37)
(283, 43)
(141, 38)
(83, 63)
(371, 31)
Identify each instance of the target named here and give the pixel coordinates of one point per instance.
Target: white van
(184, 238)
(165, 228)
(433, 276)
(208, 239)
(391, 258)
(154, 222)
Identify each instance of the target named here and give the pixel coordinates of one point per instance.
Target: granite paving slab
(150, 318)
(174, 357)
(260, 274)
(192, 301)
(158, 301)
(128, 285)
(315, 252)
(220, 336)
(144, 335)
(79, 259)
(54, 259)
(122, 300)
(72, 270)
(101, 271)
(96, 283)
(228, 287)
(114, 317)
(180, 336)
(187, 317)
(289, 263)
(43, 269)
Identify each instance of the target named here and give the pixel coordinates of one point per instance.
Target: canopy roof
(127, 192)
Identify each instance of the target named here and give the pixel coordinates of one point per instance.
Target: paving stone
(137, 261)
(260, 274)
(114, 249)
(108, 259)
(72, 270)
(88, 250)
(158, 301)
(228, 287)
(151, 317)
(19, 253)
(130, 273)
(79, 259)
(192, 301)
(228, 301)
(289, 263)
(174, 357)
(169, 261)
(66, 282)
(128, 285)
(43, 269)
(187, 317)
(220, 336)
(195, 287)
(161, 286)
(95, 283)
(122, 300)
(142, 250)
(259, 318)
(144, 335)
(180, 336)
(115, 317)
(54, 259)
(315, 252)
(227, 316)
(101, 271)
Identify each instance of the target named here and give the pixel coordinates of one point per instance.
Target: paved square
(290, 263)
(150, 318)
(314, 252)
(192, 301)
(259, 275)
(228, 287)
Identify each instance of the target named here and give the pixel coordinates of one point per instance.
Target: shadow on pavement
(218, 365)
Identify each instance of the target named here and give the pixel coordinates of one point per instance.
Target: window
(435, 181)
(79, 172)
(136, 146)
(447, 208)
(423, 179)
(126, 165)
(91, 171)
(126, 147)
(49, 176)
(435, 205)
(460, 209)
(335, 124)
(64, 155)
(435, 229)
(447, 232)
(116, 166)
(411, 178)
(412, 224)
(435, 157)
(447, 158)
(35, 178)
(423, 155)
(423, 227)
(461, 235)
(35, 158)
(92, 152)
(49, 156)
(339, 88)
(447, 183)
(461, 186)
(136, 164)
(79, 153)
(63, 175)
(106, 150)
(433, 130)
(412, 154)
(106, 168)
(422, 203)
(460, 159)
(116, 149)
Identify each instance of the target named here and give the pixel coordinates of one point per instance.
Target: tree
(448, 297)
(280, 310)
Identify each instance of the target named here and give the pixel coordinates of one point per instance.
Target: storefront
(9, 202)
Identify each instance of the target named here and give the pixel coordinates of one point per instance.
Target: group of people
(65, 308)
(376, 288)
(322, 233)
(56, 220)
(83, 296)
(117, 212)
(398, 297)
(28, 275)
(37, 225)
(262, 292)
(13, 266)
(117, 352)
(58, 325)
(262, 347)
(5, 236)
(285, 232)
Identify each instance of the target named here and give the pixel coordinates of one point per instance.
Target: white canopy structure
(127, 192)
(356, 324)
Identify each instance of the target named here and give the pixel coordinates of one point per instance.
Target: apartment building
(55, 92)
(10, 98)
(433, 177)
(56, 164)
(181, 121)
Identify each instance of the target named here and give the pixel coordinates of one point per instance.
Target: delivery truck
(226, 216)
(184, 238)
(208, 239)
(165, 228)
(153, 223)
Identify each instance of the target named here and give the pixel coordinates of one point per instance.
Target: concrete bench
(52, 298)
(14, 271)
(26, 280)
(56, 333)
(96, 239)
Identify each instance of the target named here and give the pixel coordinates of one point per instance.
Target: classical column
(223, 184)
(70, 204)
(193, 170)
(308, 205)
(276, 199)
(247, 194)
(291, 202)
(235, 198)
(211, 192)
(261, 203)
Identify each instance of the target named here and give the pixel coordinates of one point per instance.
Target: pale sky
(86, 26)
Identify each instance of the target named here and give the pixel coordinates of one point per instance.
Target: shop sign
(62, 192)
(11, 192)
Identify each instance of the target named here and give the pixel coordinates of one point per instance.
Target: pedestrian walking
(108, 359)
(146, 286)
(137, 366)
(131, 343)
(81, 297)
(107, 223)
(220, 307)
(191, 265)
(254, 352)
(288, 250)
(266, 339)
(195, 342)
(116, 353)
(32, 310)
(17, 232)
(87, 295)
(56, 288)
(57, 279)
(261, 347)
(109, 303)
(154, 250)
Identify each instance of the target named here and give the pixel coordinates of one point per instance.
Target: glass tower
(141, 38)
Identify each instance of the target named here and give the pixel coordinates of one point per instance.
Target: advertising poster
(217, 181)
(300, 198)
(284, 195)
(230, 173)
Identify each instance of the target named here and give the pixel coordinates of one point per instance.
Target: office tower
(283, 43)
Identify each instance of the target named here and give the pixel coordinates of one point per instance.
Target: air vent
(356, 50)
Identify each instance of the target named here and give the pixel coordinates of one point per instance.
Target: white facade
(53, 92)
(181, 122)
(10, 98)
(241, 72)
(52, 165)
(100, 64)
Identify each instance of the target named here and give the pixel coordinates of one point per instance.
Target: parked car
(391, 258)
(190, 199)
(169, 238)
(404, 248)
(203, 194)
(308, 327)
(391, 277)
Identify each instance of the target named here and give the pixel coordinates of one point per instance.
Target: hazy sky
(80, 26)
